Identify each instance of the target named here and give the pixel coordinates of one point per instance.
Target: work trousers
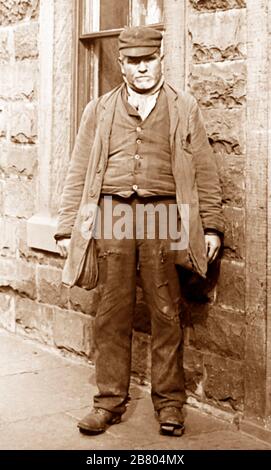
(119, 261)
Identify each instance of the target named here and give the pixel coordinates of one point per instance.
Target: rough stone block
(84, 301)
(6, 81)
(12, 11)
(18, 275)
(226, 130)
(26, 315)
(141, 355)
(1, 196)
(24, 80)
(193, 368)
(218, 36)
(232, 176)
(4, 48)
(231, 285)
(9, 235)
(256, 363)
(219, 331)
(3, 122)
(54, 260)
(234, 241)
(26, 279)
(34, 320)
(19, 160)
(7, 312)
(18, 198)
(50, 289)
(224, 381)
(73, 331)
(214, 5)
(22, 236)
(26, 41)
(7, 271)
(219, 85)
(23, 123)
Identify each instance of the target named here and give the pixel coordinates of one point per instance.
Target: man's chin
(143, 87)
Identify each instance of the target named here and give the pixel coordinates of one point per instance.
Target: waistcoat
(139, 152)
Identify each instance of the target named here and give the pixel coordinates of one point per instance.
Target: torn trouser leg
(162, 293)
(160, 283)
(113, 322)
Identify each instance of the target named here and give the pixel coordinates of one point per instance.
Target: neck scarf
(144, 102)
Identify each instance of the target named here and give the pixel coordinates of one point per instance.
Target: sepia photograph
(135, 231)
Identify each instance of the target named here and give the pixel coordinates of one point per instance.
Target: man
(142, 143)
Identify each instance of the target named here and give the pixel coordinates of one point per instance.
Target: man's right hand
(63, 246)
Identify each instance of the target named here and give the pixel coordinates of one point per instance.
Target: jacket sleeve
(207, 178)
(75, 179)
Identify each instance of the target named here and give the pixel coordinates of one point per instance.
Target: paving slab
(43, 395)
(22, 356)
(26, 395)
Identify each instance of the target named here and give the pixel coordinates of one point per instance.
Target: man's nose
(142, 66)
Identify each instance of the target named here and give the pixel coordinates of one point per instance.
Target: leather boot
(97, 421)
(171, 421)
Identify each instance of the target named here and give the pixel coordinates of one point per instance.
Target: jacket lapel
(172, 97)
(105, 118)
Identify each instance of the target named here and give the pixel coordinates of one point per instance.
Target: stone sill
(40, 233)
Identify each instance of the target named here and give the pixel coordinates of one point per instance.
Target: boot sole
(171, 430)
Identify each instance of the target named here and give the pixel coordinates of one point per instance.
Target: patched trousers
(121, 254)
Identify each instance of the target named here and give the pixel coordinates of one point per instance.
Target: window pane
(114, 14)
(99, 15)
(109, 70)
(145, 12)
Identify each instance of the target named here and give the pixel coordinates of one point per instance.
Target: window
(100, 22)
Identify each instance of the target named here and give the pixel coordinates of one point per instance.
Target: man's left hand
(212, 243)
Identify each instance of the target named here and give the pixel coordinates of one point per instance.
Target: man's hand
(212, 243)
(64, 246)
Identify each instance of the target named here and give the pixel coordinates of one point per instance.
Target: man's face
(142, 73)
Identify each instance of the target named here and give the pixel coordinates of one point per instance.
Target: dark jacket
(193, 167)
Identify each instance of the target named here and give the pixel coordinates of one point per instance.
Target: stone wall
(32, 300)
(18, 108)
(18, 148)
(215, 333)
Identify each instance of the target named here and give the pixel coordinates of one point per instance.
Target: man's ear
(120, 63)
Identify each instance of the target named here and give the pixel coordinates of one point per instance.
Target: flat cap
(139, 41)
